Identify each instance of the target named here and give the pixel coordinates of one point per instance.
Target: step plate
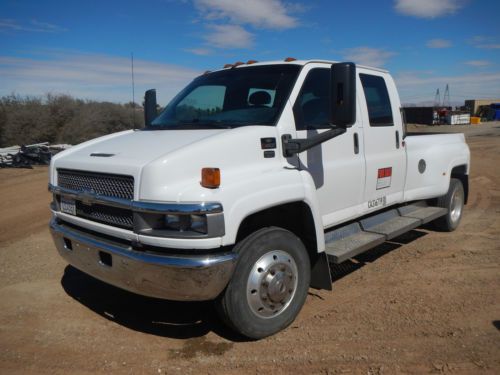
(426, 214)
(394, 227)
(341, 250)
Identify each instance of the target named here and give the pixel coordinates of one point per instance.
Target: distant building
(473, 104)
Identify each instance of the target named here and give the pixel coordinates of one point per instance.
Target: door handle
(397, 138)
(356, 143)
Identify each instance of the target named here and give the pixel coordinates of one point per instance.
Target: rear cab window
(261, 96)
(377, 100)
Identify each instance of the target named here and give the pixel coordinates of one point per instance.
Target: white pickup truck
(252, 180)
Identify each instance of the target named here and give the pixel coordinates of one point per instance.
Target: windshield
(230, 98)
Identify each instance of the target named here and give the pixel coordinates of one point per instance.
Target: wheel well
(295, 217)
(460, 172)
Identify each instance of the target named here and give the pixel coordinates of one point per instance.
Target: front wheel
(269, 284)
(454, 202)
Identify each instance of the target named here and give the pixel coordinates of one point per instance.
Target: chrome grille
(110, 185)
(105, 214)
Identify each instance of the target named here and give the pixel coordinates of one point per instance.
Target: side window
(312, 109)
(377, 100)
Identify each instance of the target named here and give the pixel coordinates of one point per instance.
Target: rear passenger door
(384, 152)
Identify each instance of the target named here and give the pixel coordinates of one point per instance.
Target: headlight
(179, 225)
(186, 223)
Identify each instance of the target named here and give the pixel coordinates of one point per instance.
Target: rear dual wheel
(453, 201)
(269, 284)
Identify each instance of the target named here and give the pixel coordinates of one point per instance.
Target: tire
(269, 283)
(454, 202)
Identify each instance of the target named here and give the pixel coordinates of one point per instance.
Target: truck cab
(249, 183)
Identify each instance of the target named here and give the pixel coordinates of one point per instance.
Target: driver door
(337, 166)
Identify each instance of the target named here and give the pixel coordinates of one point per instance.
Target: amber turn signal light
(210, 178)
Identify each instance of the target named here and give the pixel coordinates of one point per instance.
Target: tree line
(62, 119)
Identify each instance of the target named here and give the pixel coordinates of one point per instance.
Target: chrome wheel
(269, 286)
(272, 283)
(457, 203)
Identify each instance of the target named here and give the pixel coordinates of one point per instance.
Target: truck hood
(127, 152)
(166, 164)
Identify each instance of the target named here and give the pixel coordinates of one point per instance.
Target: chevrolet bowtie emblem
(86, 197)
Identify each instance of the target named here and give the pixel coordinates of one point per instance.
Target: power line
(437, 98)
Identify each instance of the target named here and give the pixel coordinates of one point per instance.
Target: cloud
(199, 51)
(428, 8)
(483, 42)
(488, 46)
(90, 76)
(11, 25)
(478, 63)
(477, 39)
(228, 36)
(368, 56)
(227, 21)
(268, 14)
(438, 43)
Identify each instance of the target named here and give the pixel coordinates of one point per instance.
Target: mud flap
(320, 273)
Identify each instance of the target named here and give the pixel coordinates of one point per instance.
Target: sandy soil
(426, 302)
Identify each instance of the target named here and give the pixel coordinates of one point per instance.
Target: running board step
(349, 241)
(424, 213)
(390, 224)
(355, 238)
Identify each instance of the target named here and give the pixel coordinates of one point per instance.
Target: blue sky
(83, 48)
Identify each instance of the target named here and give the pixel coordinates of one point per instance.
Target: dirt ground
(427, 302)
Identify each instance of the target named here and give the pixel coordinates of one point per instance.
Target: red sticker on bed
(384, 178)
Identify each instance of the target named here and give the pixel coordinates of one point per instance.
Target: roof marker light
(288, 59)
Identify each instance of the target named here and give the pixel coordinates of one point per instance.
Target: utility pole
(133, 90)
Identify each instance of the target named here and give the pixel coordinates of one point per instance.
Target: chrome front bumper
(174, 277)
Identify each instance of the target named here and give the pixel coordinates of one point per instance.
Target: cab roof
(240, 65)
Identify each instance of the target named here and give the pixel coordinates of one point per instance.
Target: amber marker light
(210, 178)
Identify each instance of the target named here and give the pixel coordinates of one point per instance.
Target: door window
(312, 109)
(377, 100)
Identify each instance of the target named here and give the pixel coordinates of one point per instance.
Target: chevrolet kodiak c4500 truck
(251, 181)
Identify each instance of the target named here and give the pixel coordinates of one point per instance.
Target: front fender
(267, 191)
